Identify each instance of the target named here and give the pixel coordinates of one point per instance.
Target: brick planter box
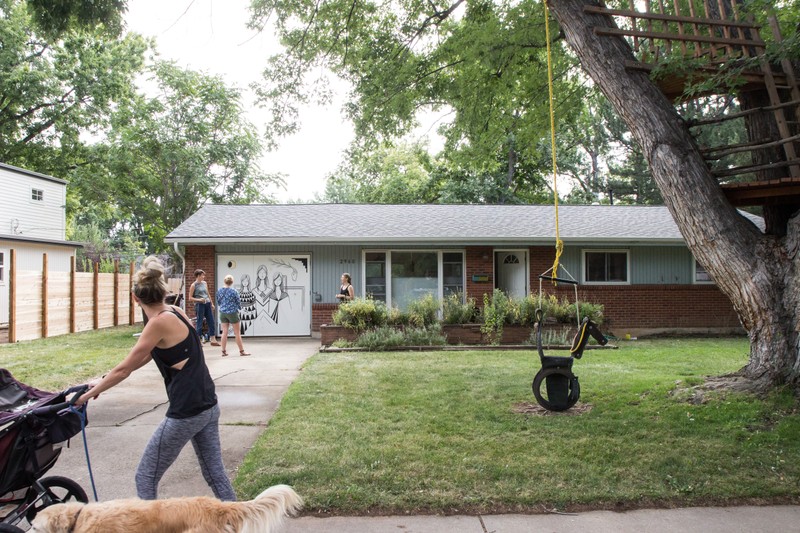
(456, 334)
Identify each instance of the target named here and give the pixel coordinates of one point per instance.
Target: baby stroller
(34, 426)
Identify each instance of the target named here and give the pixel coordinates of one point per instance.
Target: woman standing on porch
(346, 291)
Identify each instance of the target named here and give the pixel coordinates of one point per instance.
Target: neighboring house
(287, 260)
(32, 222)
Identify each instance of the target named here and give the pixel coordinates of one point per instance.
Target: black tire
(8, 528)
(59, 489)
(574, 391)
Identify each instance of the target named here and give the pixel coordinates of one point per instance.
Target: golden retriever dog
(264, 514)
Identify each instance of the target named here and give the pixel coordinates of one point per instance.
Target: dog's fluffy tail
(270, 507)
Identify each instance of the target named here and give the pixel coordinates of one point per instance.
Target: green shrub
(563, 311)
(381, 338)
(361, 314)
(527, 310)
(388, 337)
(396, 317)
(456, 311)
(424, 311)
(425, 336)
(495, 312)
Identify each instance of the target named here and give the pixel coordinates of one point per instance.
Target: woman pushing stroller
(172, 343)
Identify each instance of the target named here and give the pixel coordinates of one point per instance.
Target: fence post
(116, 292)
(44, 296)
(12, 297)
(96, 296)
(72, 296)
(131, 303)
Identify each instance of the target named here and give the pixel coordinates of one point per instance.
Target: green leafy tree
(484, 62)
(54, 17)
(169, 154)
(53, 92)
(390, 174)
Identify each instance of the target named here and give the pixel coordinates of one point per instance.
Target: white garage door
(275, 291)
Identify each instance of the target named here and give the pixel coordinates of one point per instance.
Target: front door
(512, 272)
(275, 292)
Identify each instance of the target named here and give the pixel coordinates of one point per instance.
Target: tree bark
(757, 271)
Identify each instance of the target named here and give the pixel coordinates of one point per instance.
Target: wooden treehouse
(712, 40)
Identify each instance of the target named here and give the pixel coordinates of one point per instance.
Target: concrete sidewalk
(250, 390)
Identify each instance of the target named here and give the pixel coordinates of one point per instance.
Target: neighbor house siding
(24, 217)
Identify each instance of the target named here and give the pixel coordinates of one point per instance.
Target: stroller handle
(49, 409)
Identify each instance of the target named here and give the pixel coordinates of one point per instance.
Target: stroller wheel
(58, 489)
(8, 528)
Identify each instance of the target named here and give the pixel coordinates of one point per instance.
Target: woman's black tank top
(344, 291)
(190, 390)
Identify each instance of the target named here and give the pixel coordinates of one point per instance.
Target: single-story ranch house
(287, 260)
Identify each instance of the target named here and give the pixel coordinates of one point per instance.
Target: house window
(453, 273)
(700, 274)
(414, 275)
(375, 270)
(2, 268)
(37, 195)
(399, 277)
(606, 266)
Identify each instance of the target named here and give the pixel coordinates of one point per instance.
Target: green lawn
(56, 363)
(437, 432)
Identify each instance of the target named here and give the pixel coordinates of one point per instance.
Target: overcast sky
(210, 36)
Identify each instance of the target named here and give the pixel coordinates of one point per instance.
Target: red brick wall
(204, 258)
(322, 314)
(479, 261)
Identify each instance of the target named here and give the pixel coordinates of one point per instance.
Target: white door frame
(524, 256)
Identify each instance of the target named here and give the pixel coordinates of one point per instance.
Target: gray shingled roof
(373, 223)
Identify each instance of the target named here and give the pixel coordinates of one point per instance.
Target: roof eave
(477, 240)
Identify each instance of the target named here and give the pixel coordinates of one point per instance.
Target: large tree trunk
(757, 272)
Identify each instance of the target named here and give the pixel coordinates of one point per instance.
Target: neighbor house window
(399, 277)
(37, 195)
(2, 268)
(605, 266)
(700, 274)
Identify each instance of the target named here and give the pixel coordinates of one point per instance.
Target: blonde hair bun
(149, 282)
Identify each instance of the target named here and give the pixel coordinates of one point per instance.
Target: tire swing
(562, 388)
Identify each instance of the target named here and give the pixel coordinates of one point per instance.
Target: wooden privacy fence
(45, 304)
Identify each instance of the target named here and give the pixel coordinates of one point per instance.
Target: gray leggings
(168, 441)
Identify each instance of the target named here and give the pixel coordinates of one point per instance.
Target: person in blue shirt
(229, 305)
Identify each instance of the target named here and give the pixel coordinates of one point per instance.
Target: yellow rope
(559, 243)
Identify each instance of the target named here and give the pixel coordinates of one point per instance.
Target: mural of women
(249, 312)
(276, 294)
(261, 292)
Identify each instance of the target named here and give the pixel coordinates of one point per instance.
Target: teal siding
(665, 265)
(649, 265)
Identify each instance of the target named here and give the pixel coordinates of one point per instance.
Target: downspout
(183, 273)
